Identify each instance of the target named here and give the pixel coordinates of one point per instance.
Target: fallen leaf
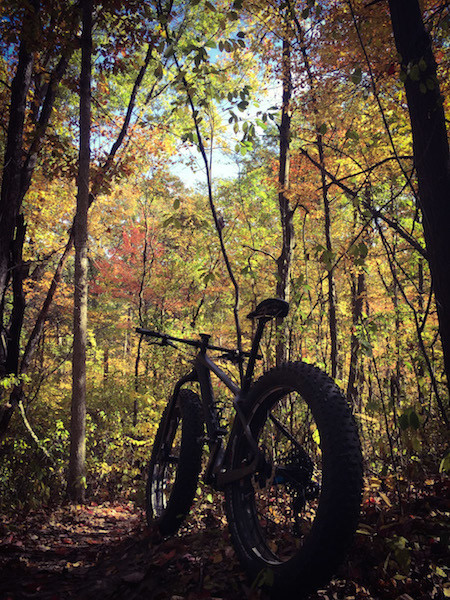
(135, 577)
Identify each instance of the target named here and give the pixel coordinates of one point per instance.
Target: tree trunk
(284, 262)
(76, 476)
(358, 290)
(431, 150)
(12, 166)
(332, 321)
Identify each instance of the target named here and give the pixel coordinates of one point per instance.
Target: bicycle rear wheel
(175, 464)
(293, 520)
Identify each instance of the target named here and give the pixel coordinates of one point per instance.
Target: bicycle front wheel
(175, 464)
(292, 521)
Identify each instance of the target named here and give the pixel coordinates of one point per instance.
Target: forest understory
(105, 551)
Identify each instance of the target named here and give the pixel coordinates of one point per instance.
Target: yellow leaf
(385, 498)
(374, 483)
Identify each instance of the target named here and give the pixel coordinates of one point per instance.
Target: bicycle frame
(217, 473)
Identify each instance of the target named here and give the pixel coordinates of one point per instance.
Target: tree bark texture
(76, 476)
(431, 150)
(19, 165)
(284, 262)
(12, 166)
(358, 290)
(332, 320)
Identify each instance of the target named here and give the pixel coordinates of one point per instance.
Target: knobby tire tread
(339, 506)
(189, 466)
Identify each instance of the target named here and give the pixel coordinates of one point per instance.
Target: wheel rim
(282, 499)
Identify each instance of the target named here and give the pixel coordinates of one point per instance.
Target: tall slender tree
(76, 476)
(284, 261)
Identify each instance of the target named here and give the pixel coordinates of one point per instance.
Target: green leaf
(265, 578)
(414, 72)
(414, 420)
(176, 203)
(357, 75)
(323, 129)
(169, 51)
(403, 421)
(352, 135)
(316, 436)
(444, 467)
(363, 250)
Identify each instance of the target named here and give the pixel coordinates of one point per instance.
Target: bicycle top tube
(200, 344)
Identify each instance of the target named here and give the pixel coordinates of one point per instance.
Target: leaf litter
(400, 552)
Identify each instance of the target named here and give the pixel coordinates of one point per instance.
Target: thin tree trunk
(284, 262)
(431, 150)
(357, 291)
(76, 478)
(420, 370)
(332, 321)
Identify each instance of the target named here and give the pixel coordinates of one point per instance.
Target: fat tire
(189, 412)
(338, 510)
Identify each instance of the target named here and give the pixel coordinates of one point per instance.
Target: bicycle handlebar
(200, 344)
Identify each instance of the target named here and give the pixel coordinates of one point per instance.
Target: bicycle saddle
(270, 308)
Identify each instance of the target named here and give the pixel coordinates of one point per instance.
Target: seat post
(253, 354)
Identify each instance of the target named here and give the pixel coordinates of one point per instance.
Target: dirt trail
(104, 552)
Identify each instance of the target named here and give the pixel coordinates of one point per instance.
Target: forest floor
(104, 552)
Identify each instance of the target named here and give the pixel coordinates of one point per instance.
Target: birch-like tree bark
(76, 482)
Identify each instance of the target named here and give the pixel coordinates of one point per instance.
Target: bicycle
(291, 470)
